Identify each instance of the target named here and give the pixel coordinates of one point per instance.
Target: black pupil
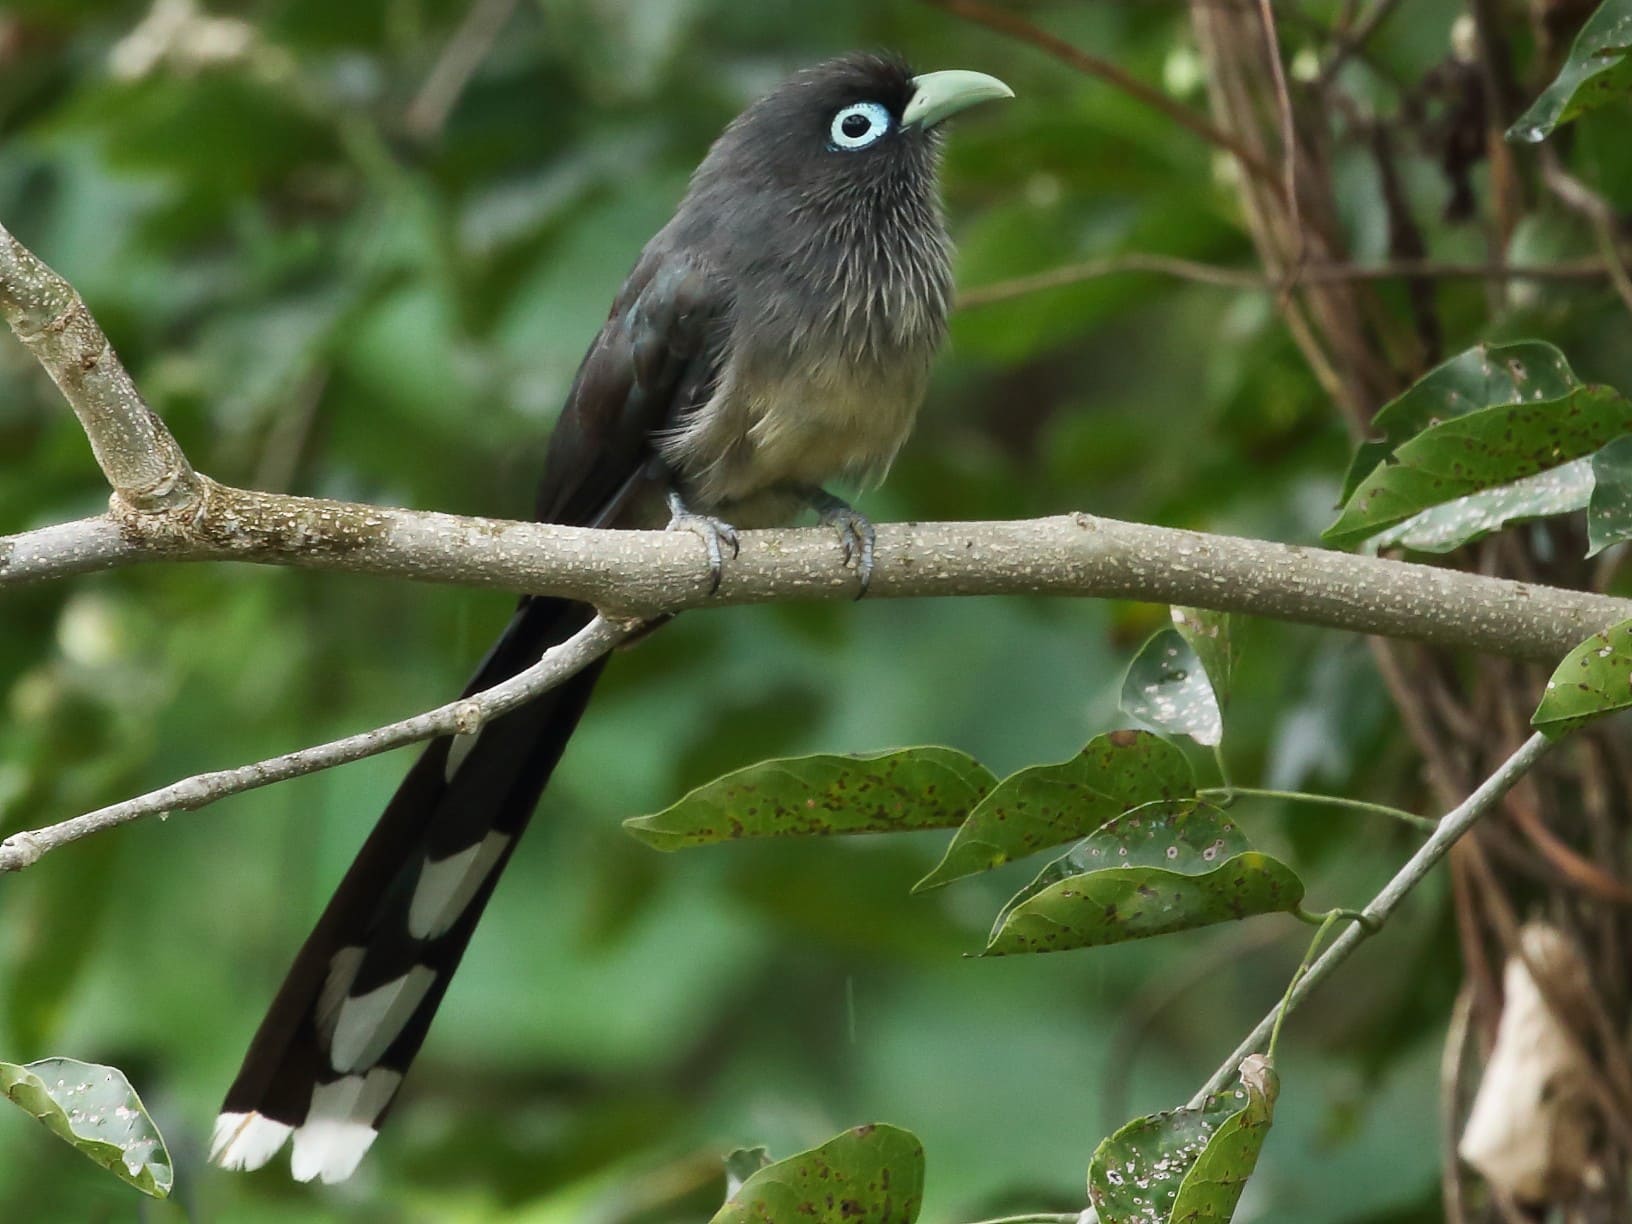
(856, 126)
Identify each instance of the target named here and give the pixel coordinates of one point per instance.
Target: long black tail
(330, 1055)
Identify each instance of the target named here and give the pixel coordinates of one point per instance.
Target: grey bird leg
(856, 534)
(717, 535)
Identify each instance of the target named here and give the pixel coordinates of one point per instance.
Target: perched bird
(776, 334)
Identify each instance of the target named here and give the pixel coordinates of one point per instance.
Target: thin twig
(1454, 824)
(1112, 74)
(1289, 129)
(1337, 801)
(1246, 278)
(1452, 1061)
(428, 112)
(459, 717)
(1354, 38)
(1572, 192)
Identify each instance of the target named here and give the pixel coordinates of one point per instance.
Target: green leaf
(1049, 805)
(867, 1175)
(1593, 680)
(1165, 867)
(1186, 1164)
(1563, 490)
(1212, 636)
(1480, 377)
(1167, 687)
(97, 1111)
(1598, 70)
(1609, 513)
(1480, 450)
(816, 796)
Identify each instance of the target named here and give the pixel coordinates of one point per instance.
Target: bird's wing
(655, 360)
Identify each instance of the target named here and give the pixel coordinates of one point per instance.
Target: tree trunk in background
(1557, 853)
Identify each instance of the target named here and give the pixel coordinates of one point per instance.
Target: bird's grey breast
(826, 358)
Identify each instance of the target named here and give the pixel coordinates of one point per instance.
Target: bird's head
(861, 127)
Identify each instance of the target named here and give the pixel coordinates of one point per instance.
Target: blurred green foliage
(318, 298)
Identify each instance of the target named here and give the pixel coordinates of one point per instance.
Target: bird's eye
(858, 125)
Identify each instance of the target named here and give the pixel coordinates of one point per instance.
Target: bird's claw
(856, 538)
(717, 535)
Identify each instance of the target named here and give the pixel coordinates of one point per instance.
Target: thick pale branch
(1451, 827)
(642, 573)
(134, 449)
(459, 717)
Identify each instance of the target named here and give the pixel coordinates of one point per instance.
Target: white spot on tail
(446, 886)
(458, 750)
(367, 1024)
(246, 1140)
(340, 1125)
(343, 968)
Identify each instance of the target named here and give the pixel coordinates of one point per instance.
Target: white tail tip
(246, 1140)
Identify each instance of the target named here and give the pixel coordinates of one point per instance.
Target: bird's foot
(856, 534)
(717, 536)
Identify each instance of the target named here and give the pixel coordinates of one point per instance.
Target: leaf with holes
(1598, 70)
(1164, 867)
(1481, 377)
(95, 1109)
(1212, 635)
(1167, 687)
(1593, 680)
(1186, 1164)
(1484, 449)
(1049, 805)
(817, 796)
(1609, 513)
(1440, 529)
(867, 1175)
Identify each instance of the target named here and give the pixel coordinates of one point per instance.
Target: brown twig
(1576, 195)
(1354, 37)
(1009, 24)
(428, 112)
(1245, 278)
(1289, 129)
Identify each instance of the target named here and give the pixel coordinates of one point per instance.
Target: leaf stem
(1326, 922)
(1224, 770)
(1338, 801)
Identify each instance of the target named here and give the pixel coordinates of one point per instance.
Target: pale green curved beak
(940, 95)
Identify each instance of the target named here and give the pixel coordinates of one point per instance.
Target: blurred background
(355, 249)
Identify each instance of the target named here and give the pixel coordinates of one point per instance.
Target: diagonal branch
(141, 460)
(1019, 28)
(456, 718)
(1245, 278)
(1450, 829)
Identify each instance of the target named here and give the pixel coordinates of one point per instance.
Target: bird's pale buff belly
(769, 433)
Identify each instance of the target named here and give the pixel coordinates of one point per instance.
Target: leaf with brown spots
(1494, 416)
(1593, 680)
(866, 1175)
(817, 796)
(1165, 867)
(1049, 805)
